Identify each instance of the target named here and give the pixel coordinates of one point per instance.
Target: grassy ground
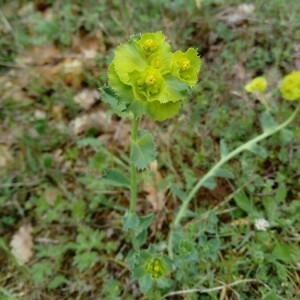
(57, 138)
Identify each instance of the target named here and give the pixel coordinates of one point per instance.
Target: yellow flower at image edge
(290, 87)
(258, 84)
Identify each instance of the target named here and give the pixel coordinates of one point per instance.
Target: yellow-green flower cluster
(155, 267)
(258, 84)
(290, 87)
(148, 78)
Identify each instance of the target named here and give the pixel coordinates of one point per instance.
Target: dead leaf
(239, 72)
(57, 112)
(40, 115)
(22, 244)
(297, 56)
(86, 98)
(155, 195)
(97, 119)
(69, 70)
(88, 46)
(12, 85)
(39, 56)
(51, 194)
(72, 70)
(91, 41)
(5, 157)
(121, 135)
(25, 10)
(237, 15)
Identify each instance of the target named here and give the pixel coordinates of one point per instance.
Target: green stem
(211, 172)
(265, 102)
(133, 173)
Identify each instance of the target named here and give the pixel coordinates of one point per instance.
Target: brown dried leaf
(5, 157)
(92, 41)
(51, 195)
(297, 56)
(39, 56)
(239, 72)
(97, 119)
(86, 98)
(22, 244)
(122, 132)
(72, 71)
(69, 70)
(12, 85)
(88, 46)
(155, 195)
(233, 16)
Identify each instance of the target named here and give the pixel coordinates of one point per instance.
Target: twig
(218, 288)
(10, 65)
(9, 29)
(20, 184)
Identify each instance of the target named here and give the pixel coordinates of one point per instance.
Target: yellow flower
(257, 84)
(155, 267)
(290, 87)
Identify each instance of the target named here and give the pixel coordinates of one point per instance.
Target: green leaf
(79, 208)
(123, 91)
(130, 221)
(128, 59)
(138, 108)
(109, 96)
(271, 208)
(243, 202)
(270, 296)
(223, 173)
(145, 221)
(281, 193)
(3, 245)
(57, 281)
(85, 260)
(189, 177)
(145, 283)
(92, 142)
(40, 271)
(162, 111)
(178, 192)
(6, 293)
(164, 283)
(141, 238)
(116, 178)
(223, 149)
(267, 121)
(258, 150)
(210, 183)
(141, 229)
(285, 252)
(143, 150)
(286, 136)
(177, 89)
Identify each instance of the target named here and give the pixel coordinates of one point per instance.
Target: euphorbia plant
(147, 79)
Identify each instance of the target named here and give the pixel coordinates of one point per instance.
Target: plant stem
(133, 173)
(211, 172)
(133, 181)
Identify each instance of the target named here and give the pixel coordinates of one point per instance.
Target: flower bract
(258, 84)
(148, 78)
(290, 87)
(156, 267)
